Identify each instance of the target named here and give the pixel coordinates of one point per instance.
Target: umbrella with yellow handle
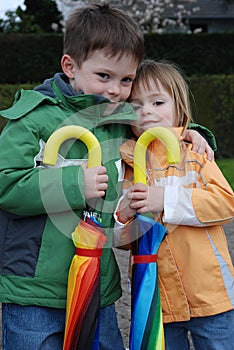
(146, 330)
(83, 292)
(168, 139)
(72, 131)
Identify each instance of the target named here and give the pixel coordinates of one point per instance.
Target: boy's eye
(127, 80)
(103, 75)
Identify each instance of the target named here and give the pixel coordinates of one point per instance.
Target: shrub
(213, 108)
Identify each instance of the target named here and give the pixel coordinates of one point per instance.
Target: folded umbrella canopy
(83, 293)
(146, 329)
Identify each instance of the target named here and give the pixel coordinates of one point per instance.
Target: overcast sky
(6, 5)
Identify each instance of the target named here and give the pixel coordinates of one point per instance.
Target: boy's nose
(114, 89)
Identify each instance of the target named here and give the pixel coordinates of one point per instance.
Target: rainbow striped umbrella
(146, 330)
(83, 293)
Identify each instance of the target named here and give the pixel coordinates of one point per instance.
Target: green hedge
(214, 107)
(197, 54)
(28, 58)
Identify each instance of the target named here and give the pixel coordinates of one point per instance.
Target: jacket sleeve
(210, 203)
(29, 190)
(206, 133)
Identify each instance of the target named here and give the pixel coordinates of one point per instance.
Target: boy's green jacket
(40, 206)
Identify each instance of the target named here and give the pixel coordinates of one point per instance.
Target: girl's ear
(68, 66)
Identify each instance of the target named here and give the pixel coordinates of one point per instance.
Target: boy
(40, 207)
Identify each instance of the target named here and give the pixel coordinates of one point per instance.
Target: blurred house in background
(213, 16)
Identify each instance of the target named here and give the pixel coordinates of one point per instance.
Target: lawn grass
(227, 168)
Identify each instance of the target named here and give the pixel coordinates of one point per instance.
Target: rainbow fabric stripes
(146, 330)
(83, 294)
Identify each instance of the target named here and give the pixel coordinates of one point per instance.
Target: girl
(192, 199)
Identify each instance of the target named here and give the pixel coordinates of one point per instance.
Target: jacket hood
(65, 87)
(53, 91)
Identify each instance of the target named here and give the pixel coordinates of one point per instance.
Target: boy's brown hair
(102, 27)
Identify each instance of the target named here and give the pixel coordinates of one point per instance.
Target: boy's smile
(110, 77)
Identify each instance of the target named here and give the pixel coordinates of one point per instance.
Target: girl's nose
(146, 110)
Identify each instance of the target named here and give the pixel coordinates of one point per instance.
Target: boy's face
(109, 77)
(154, 107)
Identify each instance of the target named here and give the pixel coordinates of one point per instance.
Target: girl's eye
(158, 103)
(135, 106)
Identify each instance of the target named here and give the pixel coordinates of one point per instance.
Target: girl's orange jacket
(196, 274)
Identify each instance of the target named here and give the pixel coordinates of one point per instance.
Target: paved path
(123, 305)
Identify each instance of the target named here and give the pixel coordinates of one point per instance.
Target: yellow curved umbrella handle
(72, 131)
(164, 135)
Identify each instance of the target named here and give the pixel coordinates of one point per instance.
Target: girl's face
(154, 107)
